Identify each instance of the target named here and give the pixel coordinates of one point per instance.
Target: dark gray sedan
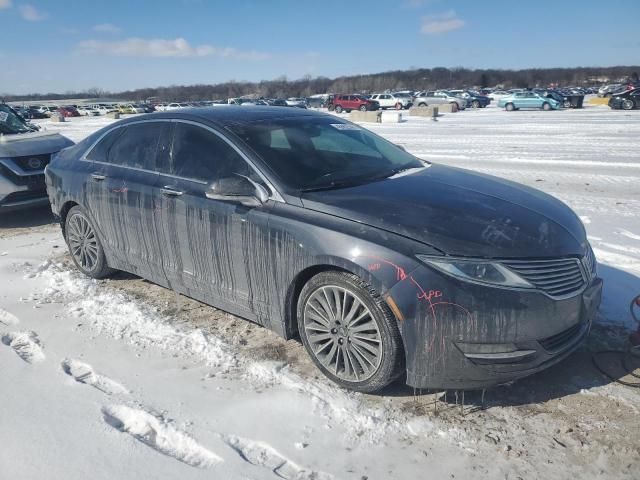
(383, 264)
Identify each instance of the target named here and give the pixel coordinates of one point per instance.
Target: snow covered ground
(122, 379)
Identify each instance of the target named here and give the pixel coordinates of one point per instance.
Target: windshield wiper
(352, 182)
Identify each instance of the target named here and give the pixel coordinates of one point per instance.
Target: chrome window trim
(275, 195)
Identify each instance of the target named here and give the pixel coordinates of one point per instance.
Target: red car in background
(351, 102)
(68, 111)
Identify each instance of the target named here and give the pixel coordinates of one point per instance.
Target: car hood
(36, 143)
(461, 213)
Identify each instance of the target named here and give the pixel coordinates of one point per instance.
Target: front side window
(100, 152)
(201, 155)
(323, 152)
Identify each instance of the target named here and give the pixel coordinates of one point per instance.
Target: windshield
(11, 122)
(323, 153)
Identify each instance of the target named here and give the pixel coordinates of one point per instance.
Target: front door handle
(98, 177)
(170, 192)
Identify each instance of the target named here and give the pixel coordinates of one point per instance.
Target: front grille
(33, 162)
(559, 340)
(33, 180)
(590, 262)
(558, 277)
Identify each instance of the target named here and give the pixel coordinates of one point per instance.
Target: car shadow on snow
(579, 372)
(27, 218)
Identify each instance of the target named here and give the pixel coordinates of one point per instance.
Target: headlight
(478, 271)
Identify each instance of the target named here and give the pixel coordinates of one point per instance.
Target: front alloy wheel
(627, 104)
(349, 332)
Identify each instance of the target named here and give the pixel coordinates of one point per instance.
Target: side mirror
(238, 189)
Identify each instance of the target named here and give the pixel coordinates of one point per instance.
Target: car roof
(233, 114)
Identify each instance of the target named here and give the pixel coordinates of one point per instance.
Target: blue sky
(63, 45)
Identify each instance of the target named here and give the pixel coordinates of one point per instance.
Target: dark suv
(352, 102)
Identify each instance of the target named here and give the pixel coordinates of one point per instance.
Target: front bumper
(20, 189)
(459, 335)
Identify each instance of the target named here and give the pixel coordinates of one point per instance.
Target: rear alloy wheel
(546, 106)
(475, 104)
(349, 332)
(627, 104)
(84, 246)
(338, 109)
(509, 107)
(363, 108)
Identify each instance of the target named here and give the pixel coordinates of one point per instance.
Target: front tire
(84, 245)
(349, 332)
(546, 106)
(475, 104)
(338, 109)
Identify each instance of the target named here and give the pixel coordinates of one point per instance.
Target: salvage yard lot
(196, 393)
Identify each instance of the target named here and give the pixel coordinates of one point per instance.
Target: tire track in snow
(26, 344)
(157, 433)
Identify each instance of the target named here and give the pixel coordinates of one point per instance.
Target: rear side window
(100, 151)
(202, 155)
(137, 146)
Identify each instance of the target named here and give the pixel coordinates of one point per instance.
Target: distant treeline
(416, 79)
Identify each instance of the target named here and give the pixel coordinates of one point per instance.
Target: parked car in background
(392, 100)
(278, 102)
(528, 100)
(24, 153)
(68, 111)
(608, 90)
(353, 102)
(627, 100)
(423, 99)
(316, 102)
(300, 222)
(297, 102)
(474, 99)
(128, 108)
(88, 110)
(30, 113)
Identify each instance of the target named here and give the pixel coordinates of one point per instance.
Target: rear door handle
(98, 177)
(170, 192)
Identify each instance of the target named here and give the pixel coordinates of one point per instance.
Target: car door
(209, 242)
(122, 189)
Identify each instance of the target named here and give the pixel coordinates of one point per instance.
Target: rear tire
(627, 104)
(475, 104)
(363, 108)
(84, 245)
(338, 109)
(509, 107)
(349, 332)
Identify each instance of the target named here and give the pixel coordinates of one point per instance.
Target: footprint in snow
(156, 433)
(264, 455)
(84, 373)
(26, 344)
(7, 318)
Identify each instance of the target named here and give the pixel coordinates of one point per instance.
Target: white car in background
(433, 97)
(392, 100)
(175, 106)
(88, 110)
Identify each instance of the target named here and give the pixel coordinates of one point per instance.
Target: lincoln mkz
(384, 265)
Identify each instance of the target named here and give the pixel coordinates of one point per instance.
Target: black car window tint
(137, 146)
(202, 155)
(100, 151)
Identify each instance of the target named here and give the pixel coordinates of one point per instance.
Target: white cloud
(5, 4)
(106, 28)
(441, 23)
(140, 47)
(31, 13)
